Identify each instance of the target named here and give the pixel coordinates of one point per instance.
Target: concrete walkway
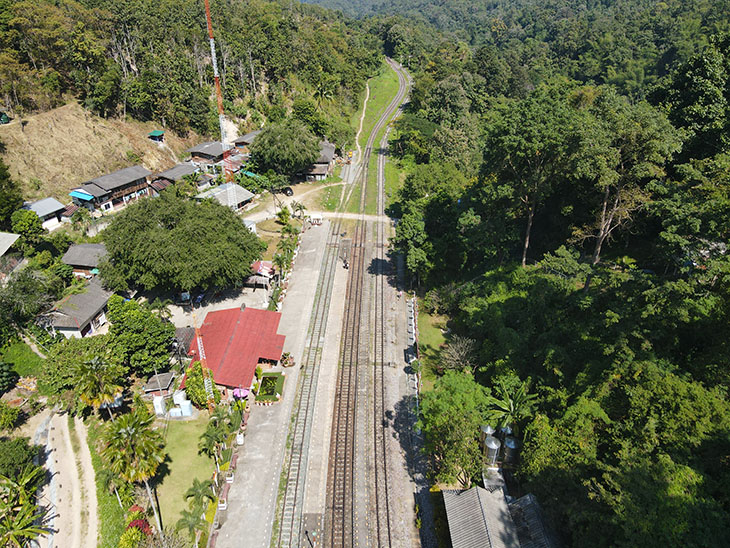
(252, 498)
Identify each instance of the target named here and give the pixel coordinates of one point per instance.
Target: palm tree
(211, 441)
(298, 207)
(200, 491)
(161, 307)
(111, 482)
(133, 450)
(511, 406)
(192, 521)
(19, 513)
(97, 384)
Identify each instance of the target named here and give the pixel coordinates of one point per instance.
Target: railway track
(291, 505)
(360, 400)
(348, 418)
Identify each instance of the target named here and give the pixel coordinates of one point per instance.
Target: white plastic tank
(187, 408)
(158, 402)
(178, 397)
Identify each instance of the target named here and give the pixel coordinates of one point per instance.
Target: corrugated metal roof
(178, 172)
(247, 139)
(220, 193)
(46, 206)
(235, 340)
(120, 178)
(6, 240)
(77, 310)
(91, 189)
(532, 530)
(209, 148)
(479, 519)
(326, 152)
(85, 255)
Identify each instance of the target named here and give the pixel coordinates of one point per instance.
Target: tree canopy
(285, 148)
(173, 243)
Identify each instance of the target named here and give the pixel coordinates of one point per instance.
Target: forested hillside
(628, 43)
(151, 60)
(566, 208)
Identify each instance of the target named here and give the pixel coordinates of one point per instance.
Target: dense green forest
(151, 60)
(627, 43)
(566, 207)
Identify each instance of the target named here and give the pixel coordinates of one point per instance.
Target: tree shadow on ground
(402, 420)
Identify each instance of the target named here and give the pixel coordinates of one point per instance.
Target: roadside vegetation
(561, 222)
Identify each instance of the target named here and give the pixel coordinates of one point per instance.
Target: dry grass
(52, 152)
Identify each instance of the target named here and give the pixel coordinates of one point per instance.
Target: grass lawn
(353, 205)
(383, 88)
(329, 198)
(430, 339)
(394, 177)
(185, 464)
(25, 362)
(111, 516)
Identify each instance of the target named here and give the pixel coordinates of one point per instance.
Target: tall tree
(139, 336)
(623, 148)
(527, 147)
(286, 148)
(451, 415)
(11, 197)
(97, 383)
(133, 450)
(174, 243)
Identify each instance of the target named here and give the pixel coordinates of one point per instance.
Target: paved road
(252, 498)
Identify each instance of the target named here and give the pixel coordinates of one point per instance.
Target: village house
(162, 180)
(244, 142)
(228, 194)
(210, 152)
(237, 340)
(485, 518)
(112, 191)
(262, 273)
(81, 314)
(7, 239)
(49, 211)
(159, 384)
(324, 165)
(84, 259)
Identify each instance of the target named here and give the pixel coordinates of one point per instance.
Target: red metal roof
(235, 340)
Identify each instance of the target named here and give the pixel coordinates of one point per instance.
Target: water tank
(506, 430)
(158, 402)
(491, 449)
(175, 412)
(178, 397)
(187, 408)
(484, 431)
(511, 449)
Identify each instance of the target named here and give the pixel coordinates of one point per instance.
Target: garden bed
(271, 387)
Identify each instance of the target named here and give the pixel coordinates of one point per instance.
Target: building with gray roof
(480, 518)
(235, 199)
(49, 211)
(7, 239)
(81, 314)
(210, 152)
(85, 258)
(112, 191)
(246, 140)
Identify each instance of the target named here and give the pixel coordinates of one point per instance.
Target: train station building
(235, 341)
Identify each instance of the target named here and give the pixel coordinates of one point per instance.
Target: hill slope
(54, 151)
